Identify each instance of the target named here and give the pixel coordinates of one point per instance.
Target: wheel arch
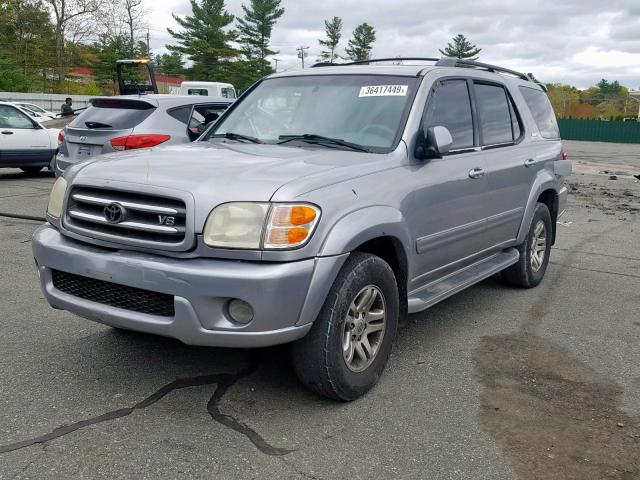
(544, 190)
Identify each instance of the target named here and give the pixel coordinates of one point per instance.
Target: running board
(436, 291)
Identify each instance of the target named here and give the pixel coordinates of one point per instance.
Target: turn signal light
(564, 155)
(290, 226)
(60, 137)
(133, 142)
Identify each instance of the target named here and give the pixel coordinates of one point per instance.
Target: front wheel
(534, 251)
(347, 348)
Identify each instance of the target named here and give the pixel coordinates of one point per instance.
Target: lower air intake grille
(114, 295)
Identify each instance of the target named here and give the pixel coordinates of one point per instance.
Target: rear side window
(542, 112)
(181, 114)
(450, 107)
(198, 91)
(496, 124)
(113, 114)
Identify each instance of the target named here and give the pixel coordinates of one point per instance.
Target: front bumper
(286, 297)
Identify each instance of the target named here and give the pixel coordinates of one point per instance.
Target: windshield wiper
(237, 136)
(97, 125)
(319, 139)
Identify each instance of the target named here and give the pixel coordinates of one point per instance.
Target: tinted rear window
(118, 114)
(542, 112)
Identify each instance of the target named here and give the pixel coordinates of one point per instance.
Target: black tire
(318, 358)
(523, 274)
(31, 170)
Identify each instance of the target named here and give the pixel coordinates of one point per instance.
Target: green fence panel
(599, 131)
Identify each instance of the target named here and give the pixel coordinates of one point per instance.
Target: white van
(208, 89)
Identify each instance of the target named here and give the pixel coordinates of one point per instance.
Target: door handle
(476, 173)
(7, 132)
(529, 162)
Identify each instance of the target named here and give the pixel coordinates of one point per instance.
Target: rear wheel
(347, 348)
(534, 251)
(31, 170)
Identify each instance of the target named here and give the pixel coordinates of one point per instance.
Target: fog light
(240, 311)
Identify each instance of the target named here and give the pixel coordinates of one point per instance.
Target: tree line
(604, 101)
(41, 39)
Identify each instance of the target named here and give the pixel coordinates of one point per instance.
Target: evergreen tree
(255, 27)
(205, 38)
(170, 64)
(460, 47)
(333, 30)
(360, 45)
(108, 49)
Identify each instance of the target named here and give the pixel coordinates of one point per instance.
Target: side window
(181, 114)
(450, 106)
(542, 112)
(13, 118)
(198, 91)
(495, 113)
(203, 116)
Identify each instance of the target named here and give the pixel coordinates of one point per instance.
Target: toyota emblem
(113, 212)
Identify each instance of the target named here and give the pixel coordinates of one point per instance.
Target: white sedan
(24, 143)
(34, 110)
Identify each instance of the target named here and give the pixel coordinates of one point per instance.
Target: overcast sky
(569, 41)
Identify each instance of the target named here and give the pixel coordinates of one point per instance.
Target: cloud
(572, 41)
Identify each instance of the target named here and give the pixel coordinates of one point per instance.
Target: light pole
(302, 53)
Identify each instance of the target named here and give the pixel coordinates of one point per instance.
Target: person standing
(66, 109)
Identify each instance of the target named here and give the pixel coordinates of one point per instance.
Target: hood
(216, 173)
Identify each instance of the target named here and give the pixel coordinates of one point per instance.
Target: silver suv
(129, 122)
(323, 206)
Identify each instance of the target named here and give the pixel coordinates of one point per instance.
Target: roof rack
(439, 62)
(375, 60)
(454, 62)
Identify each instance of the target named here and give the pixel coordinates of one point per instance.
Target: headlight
(236, 225)
(260, 225)
(57, 197)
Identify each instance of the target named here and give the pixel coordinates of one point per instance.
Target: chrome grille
(131, 217)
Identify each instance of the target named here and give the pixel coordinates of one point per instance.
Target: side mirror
(436, 144)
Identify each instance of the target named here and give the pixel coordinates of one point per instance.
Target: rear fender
(544, 181)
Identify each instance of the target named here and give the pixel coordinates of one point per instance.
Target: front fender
(545, 180)
(363, 225)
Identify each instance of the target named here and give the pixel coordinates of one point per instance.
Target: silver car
(128, 122)
(320, 209)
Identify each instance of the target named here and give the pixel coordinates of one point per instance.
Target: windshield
(365, 110)
(31, 107)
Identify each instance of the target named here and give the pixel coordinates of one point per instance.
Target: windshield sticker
(383, 91)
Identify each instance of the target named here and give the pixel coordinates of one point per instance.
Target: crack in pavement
(223, 382)
(22, 217)
(595, 271)
(595, 253)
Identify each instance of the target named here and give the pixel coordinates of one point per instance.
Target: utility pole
(148, 45)
(302, 53)
(276, 60)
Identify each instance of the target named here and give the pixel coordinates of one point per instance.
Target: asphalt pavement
(493, 383)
